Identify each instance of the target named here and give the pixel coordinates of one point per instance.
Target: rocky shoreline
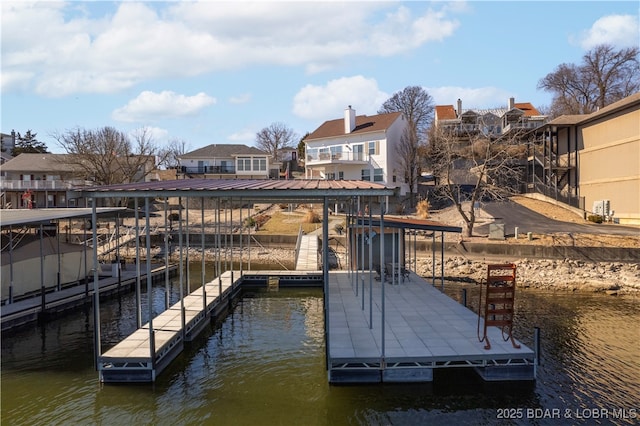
(615, 278)
(565, 275)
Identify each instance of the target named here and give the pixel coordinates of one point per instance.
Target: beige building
(591, 162)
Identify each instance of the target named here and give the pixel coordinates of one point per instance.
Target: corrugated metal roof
(406, 223)
(247, 188)
(13, 217)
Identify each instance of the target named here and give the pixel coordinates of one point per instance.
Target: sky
(215, 72)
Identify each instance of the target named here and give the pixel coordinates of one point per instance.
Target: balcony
(41, 185)
(221, 170)
(337, 158)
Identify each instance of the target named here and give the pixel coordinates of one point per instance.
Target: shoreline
(614, 278)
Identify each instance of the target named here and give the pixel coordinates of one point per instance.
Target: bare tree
(490, 169)
(605, 76)
(107, 156)
(417, 106)
(170, 155)
(275, 137)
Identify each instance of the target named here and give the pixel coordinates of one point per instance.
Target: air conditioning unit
(601, 207)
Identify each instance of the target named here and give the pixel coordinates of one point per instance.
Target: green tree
(29, 144)
(302, 147)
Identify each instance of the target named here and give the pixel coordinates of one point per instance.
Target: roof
(406, 223)
(28, 162)
(448, 112)
(254, 189)
(364, 124)
(223, 151)
(12, 217)
(445, 112)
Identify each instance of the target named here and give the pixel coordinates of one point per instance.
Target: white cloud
(150, 106)
(240, 99)
(245, 136)
(158, 135)
(481, 97)
(617, 30)
(329, 101)
(75, 52)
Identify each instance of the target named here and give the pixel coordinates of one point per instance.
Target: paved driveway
(513, 214)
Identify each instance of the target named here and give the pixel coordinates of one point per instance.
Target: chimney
(459, 107)
(349, 119)
(512, 102)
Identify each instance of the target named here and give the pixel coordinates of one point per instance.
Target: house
(590, 162)
(489, 122)
(32, 180)
(7, 143)
(358, 148)
(38, 180)
(227, 161)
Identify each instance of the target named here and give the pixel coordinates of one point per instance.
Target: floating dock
(424, 330)
(28, 310)
(139, 358)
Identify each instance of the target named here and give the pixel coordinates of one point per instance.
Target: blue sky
(218, 72)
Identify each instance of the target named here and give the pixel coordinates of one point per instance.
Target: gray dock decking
(425, 329)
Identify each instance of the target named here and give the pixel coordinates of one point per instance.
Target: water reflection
(265, 364)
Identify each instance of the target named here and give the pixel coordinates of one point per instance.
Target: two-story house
(38, 180)
(358, 148)
(35, 180)
(491, 123)
(227, 161)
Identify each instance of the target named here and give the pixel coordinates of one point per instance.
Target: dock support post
(433, 258)
(442, 260)
(138, 290)
(325, 273)
(11, 264)
(186, 272)
(152, 349)
(167, 291)
(96, 289)
(204, 290)
(42, 289)
(382, 304)
(59, 283)
(182, 317)
(371, 266)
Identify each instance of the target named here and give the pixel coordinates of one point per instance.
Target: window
(336, 152)
(366, 174)
(378, 175)
(341, 175)
(358, 152)
(373, 148)
(244, 164)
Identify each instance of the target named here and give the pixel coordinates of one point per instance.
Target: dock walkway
(134, 359)
(307, 259)
(424, 329)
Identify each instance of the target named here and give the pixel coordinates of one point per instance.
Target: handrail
(298, 242)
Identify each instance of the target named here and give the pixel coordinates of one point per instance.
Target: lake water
(264, 365)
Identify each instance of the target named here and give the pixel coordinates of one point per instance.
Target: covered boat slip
(398, 328)
(424, 329)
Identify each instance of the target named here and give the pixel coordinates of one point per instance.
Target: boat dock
(424, 329)
(145, 353)
(24, 311)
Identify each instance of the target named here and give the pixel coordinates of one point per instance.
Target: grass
(287, 224)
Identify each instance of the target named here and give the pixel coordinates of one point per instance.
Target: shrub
(249, 222)
(595, 218)
(422, 209)
(311, 217)
(174, 216)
